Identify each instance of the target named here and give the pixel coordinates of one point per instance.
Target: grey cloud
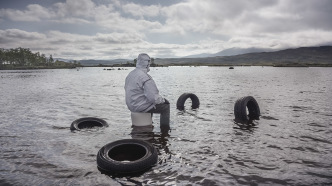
(59, 41)
(85, 47)
(49, 49)
(70, 53)
(102, 30)
(118, 38)
(109, 52)
(81, 8)
(291, 16)
(229, 17)
(33, 12)
(16, 35)
(141, 11)
(314, 14)
(71, 11)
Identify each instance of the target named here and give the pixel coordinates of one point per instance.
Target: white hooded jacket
(142, 93)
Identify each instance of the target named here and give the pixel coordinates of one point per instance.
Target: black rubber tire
(127, 156)
(240, 109)
(182, 99)
(88, 122)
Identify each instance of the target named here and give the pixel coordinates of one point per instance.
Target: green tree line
(24, 58)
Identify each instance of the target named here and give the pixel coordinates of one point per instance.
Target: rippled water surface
(290, 145)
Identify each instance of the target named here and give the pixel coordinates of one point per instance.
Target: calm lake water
(290, 145)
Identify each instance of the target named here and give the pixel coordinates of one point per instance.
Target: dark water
(290, 145)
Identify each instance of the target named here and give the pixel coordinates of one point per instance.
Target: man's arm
(152, 93)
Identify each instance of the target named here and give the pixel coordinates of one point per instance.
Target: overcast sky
(112, 29)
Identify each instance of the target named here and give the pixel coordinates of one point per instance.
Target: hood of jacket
(143, 62)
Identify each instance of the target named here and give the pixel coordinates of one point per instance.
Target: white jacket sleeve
(152, 93)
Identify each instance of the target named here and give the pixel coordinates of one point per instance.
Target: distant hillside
(91, 62)
(231, 52)
(304, 56)
(239, 51)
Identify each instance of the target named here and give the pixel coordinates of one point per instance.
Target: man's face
(149, 62)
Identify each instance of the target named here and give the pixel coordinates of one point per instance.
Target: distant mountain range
(232, 52)
(304, 56)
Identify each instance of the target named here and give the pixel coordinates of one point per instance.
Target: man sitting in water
(142, 94)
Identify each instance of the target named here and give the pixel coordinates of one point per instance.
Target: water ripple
(289, 145)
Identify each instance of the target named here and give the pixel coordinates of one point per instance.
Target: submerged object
(141, 118)
(240, 110)
(88, 122)
(182, 99)
(126, 156)
(231, 67)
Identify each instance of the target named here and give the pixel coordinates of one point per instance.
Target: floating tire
(182, 99)
(126, 156)
(240, 110)
(88, 122)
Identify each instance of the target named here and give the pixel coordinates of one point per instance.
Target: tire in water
(127, 156)
(88, 122)
(182, 99)
(240, 110)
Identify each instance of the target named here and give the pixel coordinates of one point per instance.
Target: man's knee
(160, 108)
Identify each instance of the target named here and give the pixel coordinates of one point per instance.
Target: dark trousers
(163, 109)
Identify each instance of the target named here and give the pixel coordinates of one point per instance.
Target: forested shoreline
(24, 58)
